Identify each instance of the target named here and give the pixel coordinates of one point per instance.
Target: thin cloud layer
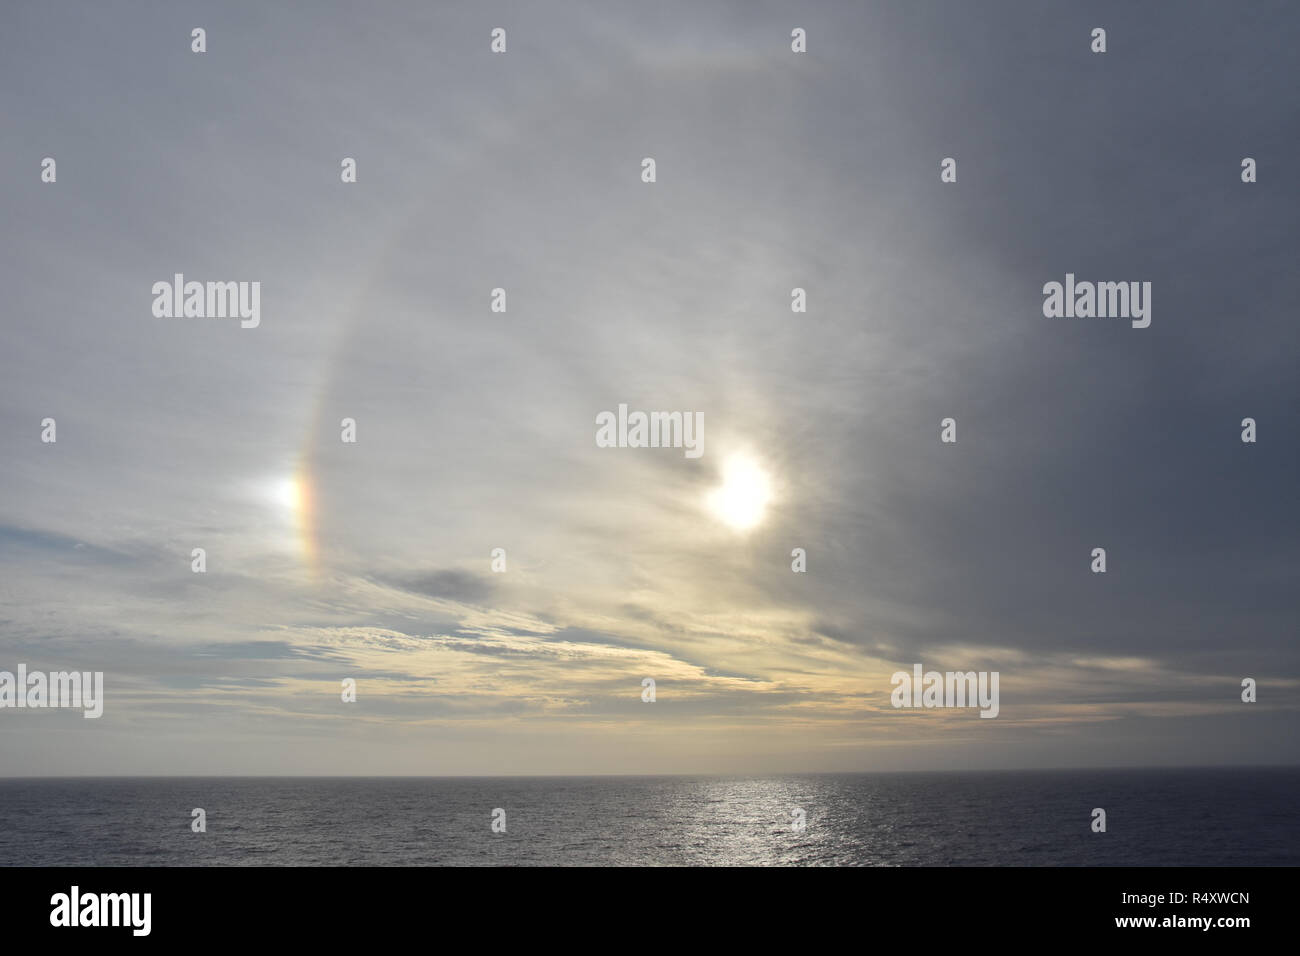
(372, 560)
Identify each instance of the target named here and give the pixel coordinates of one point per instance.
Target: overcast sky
(475, 430)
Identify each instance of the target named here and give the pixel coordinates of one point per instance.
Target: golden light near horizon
(741, 500)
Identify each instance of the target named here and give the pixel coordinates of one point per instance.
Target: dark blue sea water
(1235, 817)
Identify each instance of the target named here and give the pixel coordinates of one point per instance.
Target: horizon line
(582, 776)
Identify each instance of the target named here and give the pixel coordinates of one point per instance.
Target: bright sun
(288, 494)
(743, 495)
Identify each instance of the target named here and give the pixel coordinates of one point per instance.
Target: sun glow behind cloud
(742, 499)
(290, 500)
(288, 492)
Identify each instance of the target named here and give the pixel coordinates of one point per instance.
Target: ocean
(1178, 817)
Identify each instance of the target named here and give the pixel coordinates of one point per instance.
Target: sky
(475, 429)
